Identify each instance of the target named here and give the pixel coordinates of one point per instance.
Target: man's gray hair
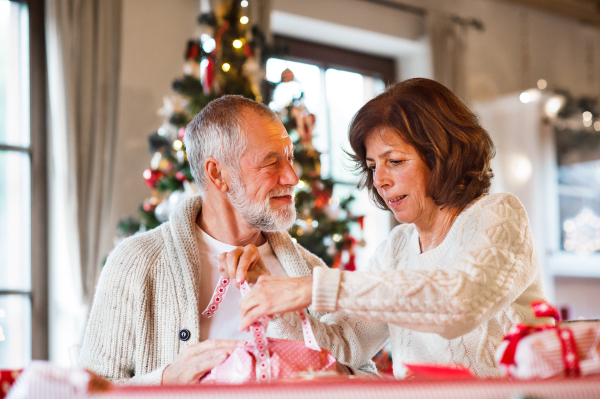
(218, 132)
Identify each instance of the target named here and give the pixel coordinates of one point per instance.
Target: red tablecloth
(584, 387)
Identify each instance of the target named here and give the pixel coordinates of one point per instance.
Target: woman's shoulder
(500, 205)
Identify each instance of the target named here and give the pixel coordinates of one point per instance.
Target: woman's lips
(394, 202)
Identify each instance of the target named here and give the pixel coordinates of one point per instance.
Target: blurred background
(94, 94)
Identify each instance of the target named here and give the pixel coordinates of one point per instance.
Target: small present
(546, 351)
(265, 359)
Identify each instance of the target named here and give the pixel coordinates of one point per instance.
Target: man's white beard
(259, 214)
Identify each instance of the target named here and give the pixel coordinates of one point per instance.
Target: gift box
(545, 351)
(265, 359)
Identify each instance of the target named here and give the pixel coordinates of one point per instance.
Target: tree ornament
(287, 76)
(152, 177)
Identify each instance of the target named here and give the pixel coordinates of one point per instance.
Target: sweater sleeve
(108, 347)
(495, 264)
(352, 341)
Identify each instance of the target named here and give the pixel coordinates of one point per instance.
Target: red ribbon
(519, 331)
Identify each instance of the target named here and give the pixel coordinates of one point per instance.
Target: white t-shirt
(226, 320)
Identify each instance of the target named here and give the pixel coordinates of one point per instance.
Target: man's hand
(272, 295)
(196, 360)
(242, 264)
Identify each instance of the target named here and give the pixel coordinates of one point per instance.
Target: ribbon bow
(565, 335)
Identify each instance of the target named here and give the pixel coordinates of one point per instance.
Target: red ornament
(287, 76)
(248, 51)
(192, 51)
(209, 76)
(180, 176)
(152, 177)
(181, 133)
(361, 221)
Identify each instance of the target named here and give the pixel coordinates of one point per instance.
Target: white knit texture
(454, 303)
(149, 291)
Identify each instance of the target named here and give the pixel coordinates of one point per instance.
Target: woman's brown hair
(445, 133)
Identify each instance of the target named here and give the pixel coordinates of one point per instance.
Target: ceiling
(586, 11)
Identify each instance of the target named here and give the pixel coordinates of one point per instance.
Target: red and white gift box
(567, 349)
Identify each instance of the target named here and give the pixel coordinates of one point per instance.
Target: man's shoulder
(139, 250)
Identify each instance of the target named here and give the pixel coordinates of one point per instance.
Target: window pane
(15, 221)
(15, 331)
(14, 74)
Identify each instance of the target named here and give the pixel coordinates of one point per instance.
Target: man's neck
(220, 220)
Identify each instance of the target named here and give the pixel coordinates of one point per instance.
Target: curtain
(448, 43)
(83, 52)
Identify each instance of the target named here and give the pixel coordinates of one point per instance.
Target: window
(23, 304)
(335, 84)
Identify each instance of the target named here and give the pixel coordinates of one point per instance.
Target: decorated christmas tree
(228, 57)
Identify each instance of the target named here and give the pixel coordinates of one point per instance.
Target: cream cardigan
(454, 303)
(149, 290)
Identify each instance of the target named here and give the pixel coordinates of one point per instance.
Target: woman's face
(400, 176)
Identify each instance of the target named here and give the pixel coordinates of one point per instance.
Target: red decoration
(361, 222)
(192, 51)
(152, 177)
(248, 51)
(180, 176)
(565, 335)
(209, 76)
(7, 379)
(181, 133)
(287, 76)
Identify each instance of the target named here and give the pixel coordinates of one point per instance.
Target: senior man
(146, 325)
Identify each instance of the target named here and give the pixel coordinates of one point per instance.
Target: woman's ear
(216, 175)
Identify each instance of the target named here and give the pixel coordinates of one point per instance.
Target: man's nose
(288, 175)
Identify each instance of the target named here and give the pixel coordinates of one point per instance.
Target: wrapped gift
(265, 359)
(546, 351)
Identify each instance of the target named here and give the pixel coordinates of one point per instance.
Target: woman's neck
(434, 228)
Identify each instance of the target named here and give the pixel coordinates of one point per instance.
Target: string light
(542, 84)
(337, 237)
(237, 43)
(597, 126)
(244, 20)
(587, 116)
(244, 3)
(525, 97)
(177, 144)
(300, 184)
(582, 233)
(226, 67)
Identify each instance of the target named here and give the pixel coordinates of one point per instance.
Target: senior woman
(459, 271)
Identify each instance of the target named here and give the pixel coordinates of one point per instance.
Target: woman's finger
(251, 316)
(203, 365)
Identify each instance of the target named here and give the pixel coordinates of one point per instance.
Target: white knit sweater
(149, 291)
(454, 303)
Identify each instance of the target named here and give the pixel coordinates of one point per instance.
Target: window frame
(39, 193)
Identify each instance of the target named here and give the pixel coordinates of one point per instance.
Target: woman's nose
(380, 178)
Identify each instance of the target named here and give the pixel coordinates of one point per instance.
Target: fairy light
(244, 3)
(237, 43)
(226, 67)
(525, 97)
(337, 237)
(244, 20)
(587, 116)
(300, 184)
(177, 144)
(582, 233)
(542, 84)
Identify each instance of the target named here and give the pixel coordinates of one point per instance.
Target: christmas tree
(229, 58)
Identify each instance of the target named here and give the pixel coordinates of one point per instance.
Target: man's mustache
(281, 192)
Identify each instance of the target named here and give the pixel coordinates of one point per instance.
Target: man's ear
(216, 174)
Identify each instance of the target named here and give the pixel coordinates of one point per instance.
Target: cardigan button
(184, 334)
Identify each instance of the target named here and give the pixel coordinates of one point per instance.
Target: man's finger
(233, 258)
(247, 262)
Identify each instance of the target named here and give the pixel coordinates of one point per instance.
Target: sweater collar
(183, 221)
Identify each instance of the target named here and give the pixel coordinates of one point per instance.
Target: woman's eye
(396, 162)
(372, 167)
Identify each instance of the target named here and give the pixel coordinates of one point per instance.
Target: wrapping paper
(265, 359)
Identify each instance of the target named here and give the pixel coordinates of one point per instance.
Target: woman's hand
(242, 264)
(272, 295)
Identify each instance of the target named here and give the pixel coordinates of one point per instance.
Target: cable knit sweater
(454, 303)
(149, 291)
